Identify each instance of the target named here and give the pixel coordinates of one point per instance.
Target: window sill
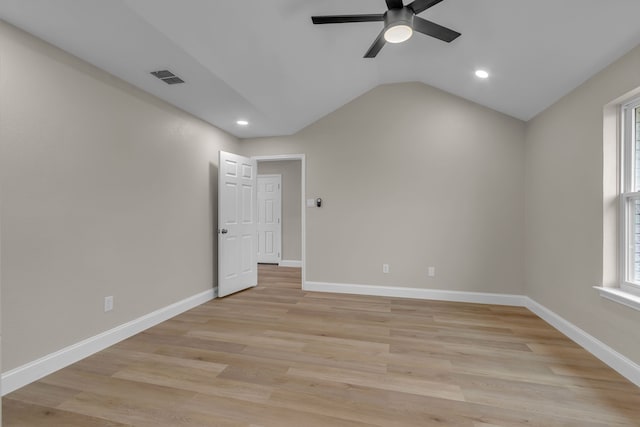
(620, 296)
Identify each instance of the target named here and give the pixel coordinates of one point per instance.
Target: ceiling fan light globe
(398, 33)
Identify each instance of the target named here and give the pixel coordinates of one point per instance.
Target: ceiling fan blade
(395, 4)
(421, 5)
(376, 46)
(434, 30)
(340, 19)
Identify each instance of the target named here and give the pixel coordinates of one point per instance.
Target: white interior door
(237, 223)
(269, 218)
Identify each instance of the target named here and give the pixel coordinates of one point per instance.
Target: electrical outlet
(432, 272)
(385, 268)
(108, 304)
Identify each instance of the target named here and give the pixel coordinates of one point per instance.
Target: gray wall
(568, 223)
(414, 177)
(291, 204)
(105, 191)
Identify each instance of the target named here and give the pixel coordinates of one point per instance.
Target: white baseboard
(416, 293)
(33, 371)
(624, 366)
(290, 263)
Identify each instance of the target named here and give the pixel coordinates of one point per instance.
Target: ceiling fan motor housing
(394, 17)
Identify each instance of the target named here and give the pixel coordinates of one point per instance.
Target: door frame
(303, 212)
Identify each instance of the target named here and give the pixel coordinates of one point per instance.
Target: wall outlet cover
(108, 303)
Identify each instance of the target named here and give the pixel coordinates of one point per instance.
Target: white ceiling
(266, 62)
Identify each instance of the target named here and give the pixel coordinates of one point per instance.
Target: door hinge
(278, 220)
(278, 186)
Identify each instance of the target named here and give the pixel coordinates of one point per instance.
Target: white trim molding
(33, 371)
(290, 263)
(620, 296)
(416, 293)
(624, 366)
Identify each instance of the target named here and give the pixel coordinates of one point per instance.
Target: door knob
(224, 231)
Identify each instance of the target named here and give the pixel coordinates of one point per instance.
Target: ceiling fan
(400, 22)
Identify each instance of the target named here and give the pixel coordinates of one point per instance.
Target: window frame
(627, 196)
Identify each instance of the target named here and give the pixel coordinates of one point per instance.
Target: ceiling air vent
(167, 76)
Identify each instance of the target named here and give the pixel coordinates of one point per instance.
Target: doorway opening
(286, 250)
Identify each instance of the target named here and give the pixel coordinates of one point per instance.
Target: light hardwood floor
(277, 356)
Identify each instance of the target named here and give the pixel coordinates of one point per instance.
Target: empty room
(320, 213)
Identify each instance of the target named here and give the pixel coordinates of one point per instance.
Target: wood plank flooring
(277, 356)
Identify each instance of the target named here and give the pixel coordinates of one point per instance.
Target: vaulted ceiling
(264, 61)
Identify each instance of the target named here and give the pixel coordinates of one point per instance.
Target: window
(630, 199)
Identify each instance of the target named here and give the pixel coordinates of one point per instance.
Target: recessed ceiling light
(482, 74)
(242, 122)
